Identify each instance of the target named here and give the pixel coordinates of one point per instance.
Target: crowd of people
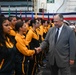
(18, 40)
(25, 43)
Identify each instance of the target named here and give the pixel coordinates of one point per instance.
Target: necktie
(56, 35)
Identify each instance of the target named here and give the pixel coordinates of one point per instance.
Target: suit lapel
(54, 32)
(62, 32)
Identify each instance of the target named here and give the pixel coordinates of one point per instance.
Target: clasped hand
(38, 50)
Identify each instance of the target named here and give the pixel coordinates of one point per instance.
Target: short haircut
(60, 16)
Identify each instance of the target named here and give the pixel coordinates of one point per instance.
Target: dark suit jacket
(63, 50)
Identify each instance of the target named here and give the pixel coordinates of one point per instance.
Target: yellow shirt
(31, 34)
(9, 45)
(12, 32)
(21, 45)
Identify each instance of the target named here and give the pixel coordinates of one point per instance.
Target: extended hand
(38, 49)
(71, 62)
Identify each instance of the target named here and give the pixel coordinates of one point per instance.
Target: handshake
(38, 50)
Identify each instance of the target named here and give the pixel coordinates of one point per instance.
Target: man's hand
(38, 49)
(71, 62)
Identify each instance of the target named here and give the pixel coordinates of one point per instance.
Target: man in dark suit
(61, 42)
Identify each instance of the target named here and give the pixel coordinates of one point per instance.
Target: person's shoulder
(30, 31)
(52, 28)
(68, 28)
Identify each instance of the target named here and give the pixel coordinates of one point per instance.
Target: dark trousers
(10, 73)
(32, 66)
(18, 69)
(55, 70)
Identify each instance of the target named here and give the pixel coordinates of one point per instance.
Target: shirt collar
(60, 28)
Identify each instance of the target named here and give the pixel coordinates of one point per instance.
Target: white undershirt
(60, 29)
